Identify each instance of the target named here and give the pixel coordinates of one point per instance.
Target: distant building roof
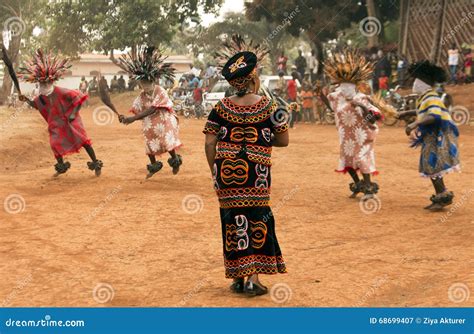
(100, 58)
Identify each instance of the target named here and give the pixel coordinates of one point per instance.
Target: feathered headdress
(237, 44)
(44, 67)
(147, 63)
(427, 72)
(348, 66)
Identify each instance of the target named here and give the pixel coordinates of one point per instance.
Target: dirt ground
(121, 240)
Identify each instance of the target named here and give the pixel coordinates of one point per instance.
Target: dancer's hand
(121, 118)
(128, 120)
(401, 115)
(410, 127)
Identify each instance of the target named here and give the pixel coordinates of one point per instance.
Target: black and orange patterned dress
(242, 180)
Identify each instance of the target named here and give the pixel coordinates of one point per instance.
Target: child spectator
(307, 97)
(383, 83)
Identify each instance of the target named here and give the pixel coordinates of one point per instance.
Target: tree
(18, 18)
(210, 39)
(119, 24)
(320, 20)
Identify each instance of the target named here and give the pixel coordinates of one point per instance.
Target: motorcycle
(186, 106)
(401, 104)
(196, 110)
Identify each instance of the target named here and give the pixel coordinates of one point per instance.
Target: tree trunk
(373, 40)
(13, 52)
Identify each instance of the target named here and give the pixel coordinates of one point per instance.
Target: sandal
(154, 168)
(96, 166)
(237, 286)
(255, 289)
(370, 190)
(439, 201)
(355, 188)
(62, 167)
(175, 163)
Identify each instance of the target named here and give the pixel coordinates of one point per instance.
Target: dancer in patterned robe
(154, 107)
(434, 131)
(60, 109)
(240, 133)
(356, 120)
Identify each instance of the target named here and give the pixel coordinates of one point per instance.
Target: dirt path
(81, 240)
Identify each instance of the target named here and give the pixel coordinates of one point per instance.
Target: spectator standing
(131, 84)
(281, 85)
(382, 65)
(281, 63)
(383, 83)
(320, 105)
(197, 99)
(313, 65)
(193, 81)
(103, 83)
(402, 66)
(307, 97)
(114, 84)
(83, 85)
(93, 86)
(121, 84)
(453, 62)
(292, 93)
(300, 63)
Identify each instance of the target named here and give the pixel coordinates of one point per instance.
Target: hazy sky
(227, 6)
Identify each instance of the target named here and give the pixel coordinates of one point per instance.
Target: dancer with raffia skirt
(356, 120)
(154, 107)
(240, 132)
(434, 131)
(60, 109)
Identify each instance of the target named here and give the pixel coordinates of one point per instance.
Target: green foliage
(321, 20)
(77, 26)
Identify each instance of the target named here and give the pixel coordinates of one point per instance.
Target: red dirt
(77, 231)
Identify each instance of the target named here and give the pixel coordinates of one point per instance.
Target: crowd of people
(460, 65)
(117, 85)
(301, 91)
(390, 71)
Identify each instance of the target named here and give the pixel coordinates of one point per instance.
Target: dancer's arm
(23, 98)
(427, 120)
(137, 117)
(281, 139)
(408, 113)
(74, 112)
(370, 116)
(210, 149)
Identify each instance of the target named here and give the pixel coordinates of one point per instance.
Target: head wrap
(43, 67)
(239, 61)
(146, 63)
(348, 66)
(240, 69)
